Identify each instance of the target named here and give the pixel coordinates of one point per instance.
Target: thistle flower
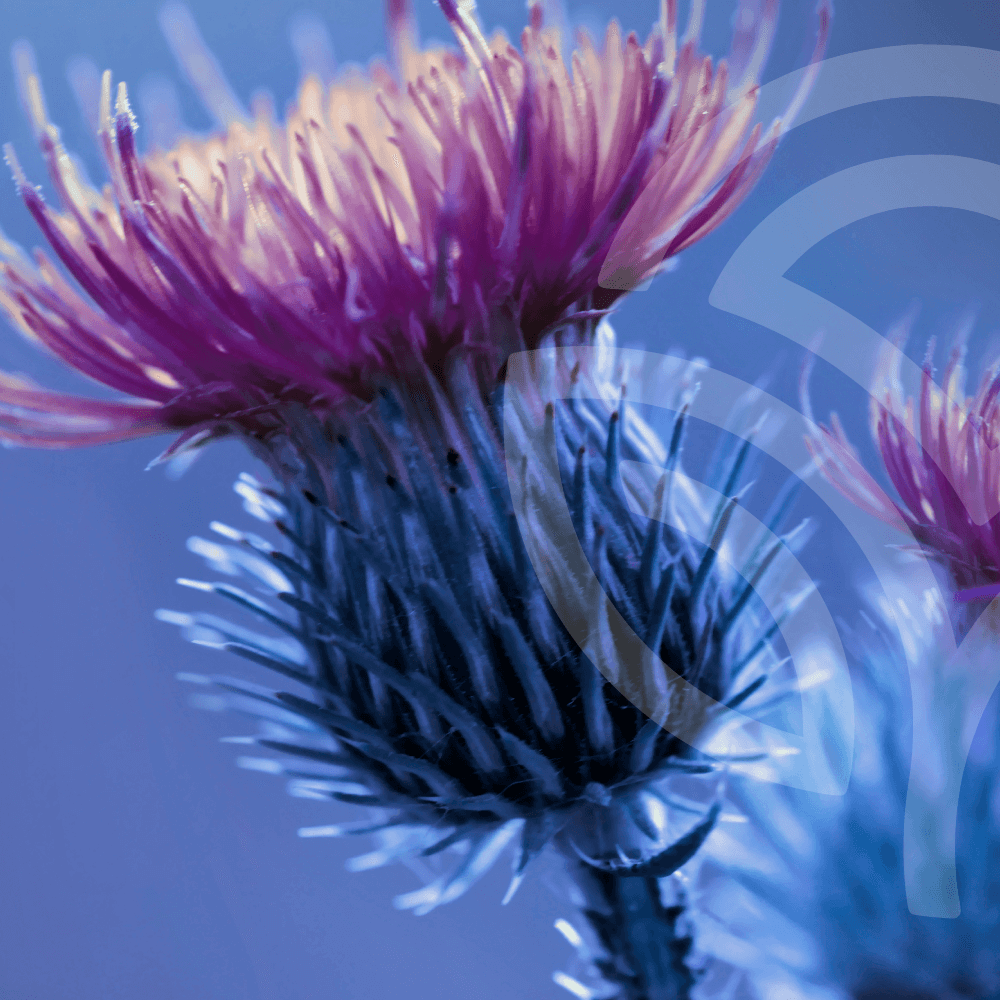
(940, 453)
(808, 898)
(436, 684)
(455, 203)
(341, 293)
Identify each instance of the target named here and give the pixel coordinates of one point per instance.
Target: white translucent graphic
(819, 760)
(752, 285)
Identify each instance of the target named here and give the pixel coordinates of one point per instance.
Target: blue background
(135, 860)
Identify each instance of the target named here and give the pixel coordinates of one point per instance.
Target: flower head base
(436, 679)
(942, 454)
(458, 202)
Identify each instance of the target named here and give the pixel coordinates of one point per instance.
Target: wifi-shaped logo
(753, 286)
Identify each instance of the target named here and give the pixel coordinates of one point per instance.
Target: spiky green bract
(811, 901)
(427, 675)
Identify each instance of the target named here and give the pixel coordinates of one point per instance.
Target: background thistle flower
(940, 452)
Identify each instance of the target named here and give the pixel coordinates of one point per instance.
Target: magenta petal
(470, 201)
(979, 593)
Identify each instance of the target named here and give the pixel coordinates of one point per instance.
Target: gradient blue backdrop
(135, 860)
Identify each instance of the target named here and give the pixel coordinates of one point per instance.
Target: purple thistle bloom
(452, 203)
(940, 451)
(342, 292)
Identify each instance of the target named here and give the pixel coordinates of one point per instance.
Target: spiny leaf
(738, 699)
(271, 662)
(677, 854)
(544, 707)
(537, 833)
(535, 763)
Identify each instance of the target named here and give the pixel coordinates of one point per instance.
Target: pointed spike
(708, 560)
(612, 452)
(455, 837)
(649, 564)
(581, 495)
(747, 692)
(546, 715)
(679, 853)
(660, 610)
(536, 834)
(750, 589)
(283, 667)
(536, 764)
(739, 462)
(676, 438)
(644, 746)
(515, 883)
(600, 729)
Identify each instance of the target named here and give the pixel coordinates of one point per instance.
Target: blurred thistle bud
(940, 452)
(810, 897)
